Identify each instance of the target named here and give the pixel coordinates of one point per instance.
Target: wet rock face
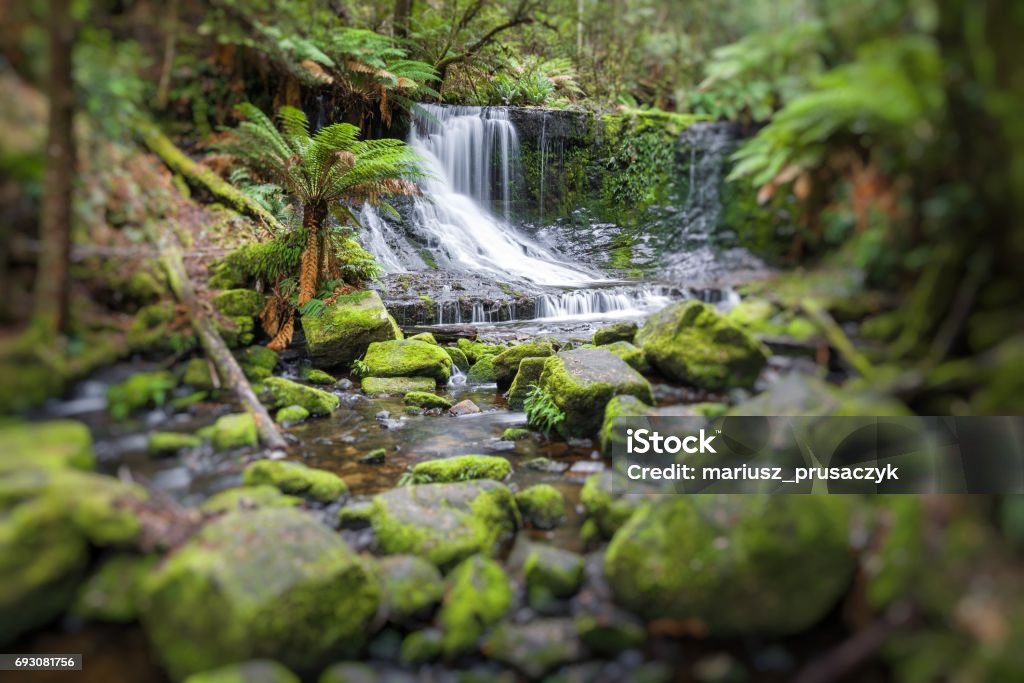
(690, 342)
(740, 564)
(408, 358)
(268, 583)
(582, 381)
(343, 331)
(536, 647)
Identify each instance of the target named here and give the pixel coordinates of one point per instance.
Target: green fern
(541, 410)
(360, 368)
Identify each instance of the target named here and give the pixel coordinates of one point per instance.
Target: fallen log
(837, 339)
(443, 333)
(230, 372)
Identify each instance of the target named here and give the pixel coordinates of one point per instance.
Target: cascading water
(606, 303)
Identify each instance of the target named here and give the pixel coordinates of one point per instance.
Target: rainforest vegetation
(320, 318)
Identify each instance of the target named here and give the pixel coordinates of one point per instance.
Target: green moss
(542, 505)
(476, 350)
(528, 375)
(506, 363)
(633, 356)
(256, 671)
(113, 592)
(169, 443)
(189, 400)
(247, 498)
(482, 371)
(258, 357)
(315, 376)
(690, 342)
(516, 434)
(343, 331)
(609, 509)
(407, 358)
(551, 573)
(56, 445)
(240, 303)
(411, 587)
(296, 478)
(141, 390)
(271, 583)
(279, 392)
(461, 468)
(624, 331)
(424, 337)
(425, 399)
(290, 415)
(154, 332)
(197, 374)
(478, 596)
(786, 563)
(613, 429)
(231, 431)
(421, 647)
(459, 359)
(390, 386)
(237, 331)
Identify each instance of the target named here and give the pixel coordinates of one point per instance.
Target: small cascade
(609, 302)
(378, 238)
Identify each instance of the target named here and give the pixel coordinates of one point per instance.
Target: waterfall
(378, 238)
(607, 303)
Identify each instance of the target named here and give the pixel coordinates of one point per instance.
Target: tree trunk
(230, 372)
(403, 10)
(313, 216)
(52, 287)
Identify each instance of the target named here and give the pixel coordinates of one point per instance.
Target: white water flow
(464, 148)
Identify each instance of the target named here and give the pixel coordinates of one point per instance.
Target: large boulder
(344, 330)
(506, 363)
(408, 358)
(278, 392)
(690, 342)
(616, 332)
(444, 523)
(754, 564)
(582, 381)
(269, 583)
(528, 375)
(461, 468)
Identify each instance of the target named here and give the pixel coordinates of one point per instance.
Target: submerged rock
(465, 407)
(616, 332)
(753, 564)
(405, 358)
(444, 522)
(343, 331)
(231, 431)
(506, 363)
(482, 371)
(542, 506)
(425, 399)
(296, 478)
(582, 381)
(169, 443)
(278, 392)
(536, 647)
(690, 342)
(254, 671)
(516, 434)
(266, 583)
(461, 468)
(390, 386)
(411, 587)
(479, 595)
(528, 375)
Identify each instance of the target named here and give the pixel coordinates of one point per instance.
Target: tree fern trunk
(313, 217)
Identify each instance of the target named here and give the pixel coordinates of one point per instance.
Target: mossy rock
(582, 381)
(516, 434)
(444, 523)
(542, 506)
(278, 392)
(317, 376)
(423, 646)
(291, 415)
(482, 371)
(351, 672)
(551, 573)
(257, 357)
(237, 331)
(296, 478)
(391, 386)
(254, 671)
(248, 498)
(625, 412)
(689, 342)
(140, 391)
(461, 468)
(170, 443)
(113, 592)
(231, 431)
(474, 350)
(753, 314)
(240, 303)
(55, 444)
(197, 374)
(154, 332)
(536, 647)
(405, 358)
(616, 332)
(425, 399)
(633, 355)
(344, 330)
(479, 594)
(528, 375)
(785, 566)
(506, 363)
(459, 359)
(424, 337)
(606, 504)
(27, 383)
(270, 583)
(411, 587)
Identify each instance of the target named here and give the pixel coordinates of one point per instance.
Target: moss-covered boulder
(550, 573)
(343, 331)
(248, 498)
(536, 647)
(406, 358)
(516, 434)
(690, 342)
(197, 375)
(542, 506)
(169, 443)
(317, 376)
(616, 332)
(411, 587)
(257, 362)
(475, 350)
(140, 391)
(423, 646)
(291, 415)
(254, 671)
(459, 359)
(479, 594)
(113, 592)
(239, 303)
(606, 504)
(55, 444)
(270, 583)
(425, 399)
(633, 355)
(295, 478)
(582, 381)
(396, 386)
(444, 523)
(424, 337)
(528, 375)
(231, 431)
(237, 331)
(482, 371)
(461, 468)
(506, 363)
(278, 392)
(785, 563)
